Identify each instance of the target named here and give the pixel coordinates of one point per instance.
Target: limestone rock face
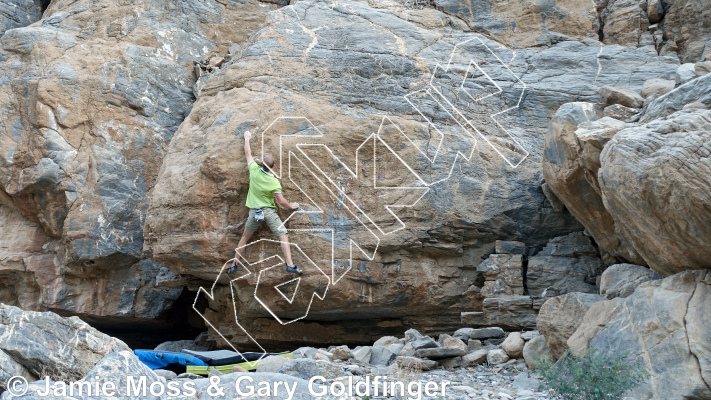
(526, 24)
(198, 199)
(665, 325)
(686, 25)
(560, 317)
(91, 96)
(115, 172)
(19, 13)
(655, 179)
(49, 345)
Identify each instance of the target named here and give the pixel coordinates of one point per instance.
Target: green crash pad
(227, 369)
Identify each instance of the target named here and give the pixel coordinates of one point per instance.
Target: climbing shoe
(294, 269)
(233, 268)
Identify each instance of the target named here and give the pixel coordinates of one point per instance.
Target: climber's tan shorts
(271, 217)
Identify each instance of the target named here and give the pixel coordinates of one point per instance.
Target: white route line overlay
(374, 136)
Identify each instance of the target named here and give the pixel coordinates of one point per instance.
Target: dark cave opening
(180, 322)
(43, 5)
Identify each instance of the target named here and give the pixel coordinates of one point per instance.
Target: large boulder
(620, 280)
(475, 204)
(536, 351)
(595, 319)
(654, 180)
(560, 317)
(571, 171)
(49, 345)
(664, 325)
(91, 96)
(513, 345)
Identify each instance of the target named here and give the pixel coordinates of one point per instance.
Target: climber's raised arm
(247, 149)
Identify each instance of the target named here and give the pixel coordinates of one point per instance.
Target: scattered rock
(424, 343)
(619, 112)
(620, 280)
(439, 353)
(305, 352)
(342, 353)
(415, 363)
(442, 337)
(168, 375)
(451, 363)
(696, 91)
(186, 375)
(362, 354)
(529, 335)
(382, 356)
(386, 341)
(271, 363)
(407, 350)
(560, 317)
(473, 345)
(306, 368)
(702, 68)
(478, 357)
(536, 351)
(657, 86)
(455, 343)
(116, 367)
(495, 357)
(513, 345)
(685, 73)
(620, 95)
(411, 335)
(525, 381)
(486, 333)
(695, 106)
(180, 345)
(323, 356)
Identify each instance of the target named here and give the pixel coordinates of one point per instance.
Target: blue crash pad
(167, 359)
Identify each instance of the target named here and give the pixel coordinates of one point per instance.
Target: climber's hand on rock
(247, 135)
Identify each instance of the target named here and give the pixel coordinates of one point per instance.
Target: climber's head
(268, 161)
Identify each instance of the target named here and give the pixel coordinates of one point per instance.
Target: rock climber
(264, 192)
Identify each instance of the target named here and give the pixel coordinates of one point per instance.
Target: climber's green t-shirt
(262, 186)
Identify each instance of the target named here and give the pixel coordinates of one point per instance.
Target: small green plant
(593, 376)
